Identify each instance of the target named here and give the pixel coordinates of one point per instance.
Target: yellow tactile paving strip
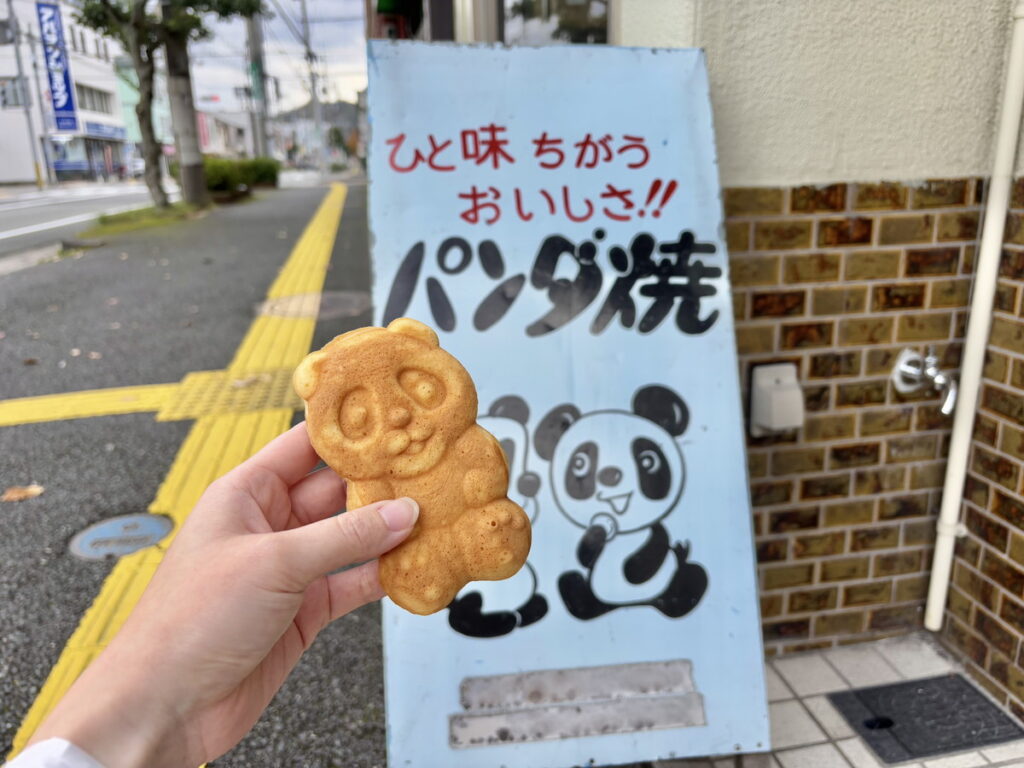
(237, 412)
(76, 405)
(205, 392)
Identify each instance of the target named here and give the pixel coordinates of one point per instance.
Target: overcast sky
(219, 64)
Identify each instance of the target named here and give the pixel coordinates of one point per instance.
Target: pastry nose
(399, 417)
(610, 476)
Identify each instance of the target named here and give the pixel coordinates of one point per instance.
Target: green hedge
(227, 175)
(260, 171)
(222, 175)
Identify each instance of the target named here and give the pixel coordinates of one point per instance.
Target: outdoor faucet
(913, 371)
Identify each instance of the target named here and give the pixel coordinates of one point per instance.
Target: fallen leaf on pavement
(248, 381)
(22, 492)
(30, 361)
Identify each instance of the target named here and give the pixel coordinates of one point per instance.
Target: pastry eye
(425, 389)
(356, 416)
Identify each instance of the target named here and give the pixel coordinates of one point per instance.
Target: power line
(291, 58)
(292, 26)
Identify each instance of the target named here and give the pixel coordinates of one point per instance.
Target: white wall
(86, 68)
(816, 91)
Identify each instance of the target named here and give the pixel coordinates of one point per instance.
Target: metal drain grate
(924, 718)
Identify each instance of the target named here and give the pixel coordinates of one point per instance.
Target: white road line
(69, 220)
(66, 200)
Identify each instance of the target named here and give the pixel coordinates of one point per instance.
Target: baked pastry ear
(307, 375)
(414, 329)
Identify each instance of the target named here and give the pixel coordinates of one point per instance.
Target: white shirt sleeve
(53, 753)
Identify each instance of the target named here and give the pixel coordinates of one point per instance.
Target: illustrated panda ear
(664, 407)
(510, 407)
(552, 427)
(414, 329)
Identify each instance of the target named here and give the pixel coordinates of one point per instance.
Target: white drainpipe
(978, 325)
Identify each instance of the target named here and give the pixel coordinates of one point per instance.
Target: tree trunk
(183, 118)
(142, 59)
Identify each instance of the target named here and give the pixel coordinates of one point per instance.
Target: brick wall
(985, 612)
(839, 279)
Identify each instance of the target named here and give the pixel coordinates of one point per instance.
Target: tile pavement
(808, 732)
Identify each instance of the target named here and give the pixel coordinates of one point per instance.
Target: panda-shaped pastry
(617, 475)
(495, 608)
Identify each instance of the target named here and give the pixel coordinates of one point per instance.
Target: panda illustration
(617, 475)
(495, 608)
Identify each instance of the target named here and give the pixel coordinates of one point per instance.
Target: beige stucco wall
(813, 91)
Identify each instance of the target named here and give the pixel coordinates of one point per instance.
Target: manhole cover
(119, 536)
(924, 718)
(328, 305)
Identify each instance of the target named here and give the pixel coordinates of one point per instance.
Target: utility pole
(318, 113)
(23, 93)
(47, 152)
(257, 75)
(183, 113)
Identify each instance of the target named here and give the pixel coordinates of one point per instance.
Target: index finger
(290, 456)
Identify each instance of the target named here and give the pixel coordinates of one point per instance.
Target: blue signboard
(105, 131)
(58, 69)
(555, 214)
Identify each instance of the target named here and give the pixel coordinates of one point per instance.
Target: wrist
(118, 718)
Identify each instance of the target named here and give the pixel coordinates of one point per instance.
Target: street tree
(143, 27)
(131, 24)
(182, 21)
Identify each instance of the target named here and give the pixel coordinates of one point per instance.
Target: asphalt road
(157, 305)
(30, 221)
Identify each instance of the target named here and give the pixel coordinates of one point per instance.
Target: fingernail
(400, 514)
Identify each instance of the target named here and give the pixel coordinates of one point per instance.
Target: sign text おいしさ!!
(555, 214)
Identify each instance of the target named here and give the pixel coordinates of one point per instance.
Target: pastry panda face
(388, 401)
(625, 468)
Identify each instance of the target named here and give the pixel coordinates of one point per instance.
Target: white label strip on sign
(554, 213)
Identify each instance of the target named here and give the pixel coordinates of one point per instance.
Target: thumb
(356, 536)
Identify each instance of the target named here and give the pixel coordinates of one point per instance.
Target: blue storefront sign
(555, 214)
(101, 131)
(58, 69)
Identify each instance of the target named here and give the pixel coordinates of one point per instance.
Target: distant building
(91, 140)
(294, 133)
(223, 134)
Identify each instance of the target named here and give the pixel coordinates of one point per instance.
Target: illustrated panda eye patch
(652, 468)
(581, 472)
